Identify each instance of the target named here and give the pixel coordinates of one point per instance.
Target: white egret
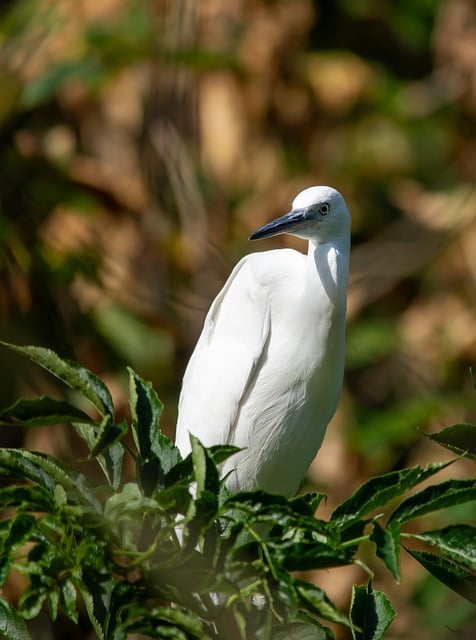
(266, 374)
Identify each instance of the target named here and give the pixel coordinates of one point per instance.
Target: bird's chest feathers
(308, 311)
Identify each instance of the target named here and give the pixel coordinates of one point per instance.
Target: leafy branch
(173, 554)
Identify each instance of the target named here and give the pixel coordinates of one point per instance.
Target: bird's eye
(324, 209)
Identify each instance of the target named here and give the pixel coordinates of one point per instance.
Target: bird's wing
(226, 359)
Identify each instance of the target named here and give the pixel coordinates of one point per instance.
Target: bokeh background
(142, 141)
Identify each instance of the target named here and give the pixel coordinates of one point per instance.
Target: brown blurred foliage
(140, 144)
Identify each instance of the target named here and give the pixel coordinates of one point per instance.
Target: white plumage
(266, 374)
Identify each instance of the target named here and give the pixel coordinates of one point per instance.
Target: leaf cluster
(172, 553)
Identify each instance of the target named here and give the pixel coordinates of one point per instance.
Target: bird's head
(318, 214)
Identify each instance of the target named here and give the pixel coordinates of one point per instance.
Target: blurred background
(142, 141)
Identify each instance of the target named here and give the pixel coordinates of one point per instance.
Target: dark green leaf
(370, 613)
(18, 531)
(460, 438)
(47, 472)
(146, 409)
(315, 555)
(71, 373)
(456, 542)
(439, 496)
(387, 542)
(378, 491)
(102, 442)
(308, 503)
(41, 411)
(108, 435)
(222, 452)
(450, 574)
(33, 498)
(12, 626)
(68, 599)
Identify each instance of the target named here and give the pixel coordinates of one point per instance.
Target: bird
(267, 371)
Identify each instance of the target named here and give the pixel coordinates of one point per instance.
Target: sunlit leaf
(456, 542)
(434, 497)
(12, 625)
(450, 574)
(380, 490)
(71, 373)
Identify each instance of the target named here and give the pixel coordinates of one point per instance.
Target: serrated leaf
(378, 491)
(302, 631)
(146, 409)
(12, 625)
(72, 374)
(317, 602)
(36, 412)
(101, 440)
(67, 599)
(32, 600)
(439, 496)
(456, 543)
(47, 471)
(456, 578)
(315, 555)
(129, 502)
(459, 438)
(222, 452)
(19, 529)
(108, 435)
(387, 542)
(181, 618)
(33, 498)
(199, 461)
(371, 613)
(307, 503)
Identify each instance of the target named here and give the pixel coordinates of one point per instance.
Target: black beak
(289, 223)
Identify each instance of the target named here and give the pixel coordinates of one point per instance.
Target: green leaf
(199, 461)
(387, 542)
(12, 626)
(108, 435)
(439, 496)
(146, 409)
(302, 631)
(456, 542)
(41, 411)
(71, 373)
(104, 443)
(316, 601)
(370, 613)
(128, 502)
(68, 599)
(18, 531)
(47, 471)
(456, 578)
(460, 438)
(378, 491)
(33, 498)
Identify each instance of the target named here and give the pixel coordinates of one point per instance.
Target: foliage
(174, 554)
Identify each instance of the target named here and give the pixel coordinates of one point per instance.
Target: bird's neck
(329, 265)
